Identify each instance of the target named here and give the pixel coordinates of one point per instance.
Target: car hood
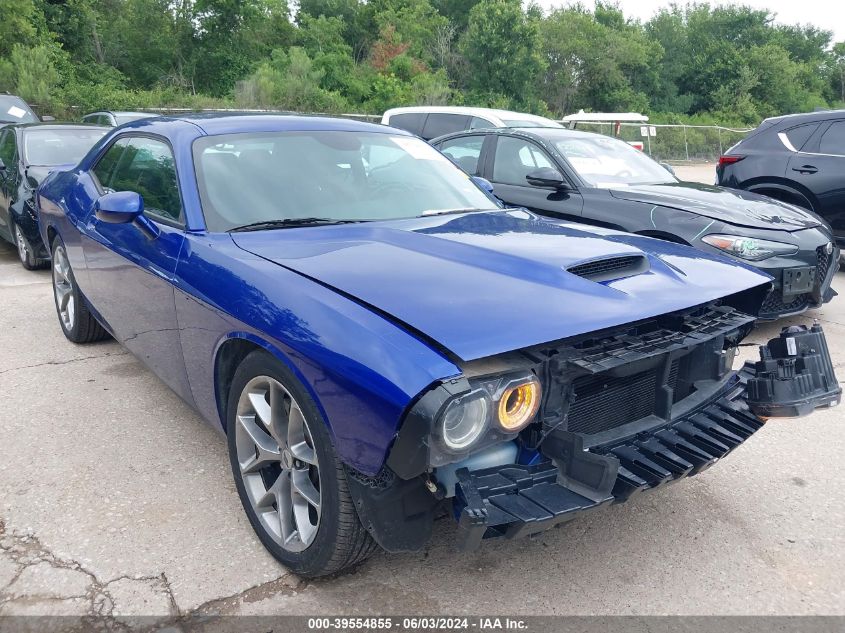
(484, 283)
(39, 172)
(733, 206)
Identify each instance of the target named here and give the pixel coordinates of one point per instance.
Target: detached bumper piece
(517, 501)
(794, 375)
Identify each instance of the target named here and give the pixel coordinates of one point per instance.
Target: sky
(826, 14)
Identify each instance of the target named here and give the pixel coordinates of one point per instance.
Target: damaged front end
(610, 415)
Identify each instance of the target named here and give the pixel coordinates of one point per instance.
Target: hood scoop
(610, 268)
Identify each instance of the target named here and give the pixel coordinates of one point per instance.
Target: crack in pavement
(26, 551)
(287, 584)
(64, 362)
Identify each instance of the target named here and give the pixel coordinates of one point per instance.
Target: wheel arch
(231, 352)
(779, 190)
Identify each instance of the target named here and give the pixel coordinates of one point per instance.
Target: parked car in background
(27, 154)
(600, 180)
(15, 110)
(429, 122)
(112, 119)
(798, 158)
(376, 339)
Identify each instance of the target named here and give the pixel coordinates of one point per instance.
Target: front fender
(361, 369)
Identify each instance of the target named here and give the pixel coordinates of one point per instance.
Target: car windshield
(59, 147)
(538, 122)
(336, 176)
(605, 162)
(15, 110)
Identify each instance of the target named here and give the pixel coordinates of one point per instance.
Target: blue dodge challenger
(378, 340)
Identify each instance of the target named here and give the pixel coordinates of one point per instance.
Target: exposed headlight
(518, 405)
(495, 408)
(749, 248)
(465, 419)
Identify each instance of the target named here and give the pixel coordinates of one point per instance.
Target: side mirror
(547, 177)
(483, 183)
(120, 207)
(668, 168)
(47, 117)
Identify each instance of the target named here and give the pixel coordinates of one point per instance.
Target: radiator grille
(823, 264)
(610, 268)
(602, 403)
(774, 304)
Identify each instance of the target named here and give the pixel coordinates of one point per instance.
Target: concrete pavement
(116, 500)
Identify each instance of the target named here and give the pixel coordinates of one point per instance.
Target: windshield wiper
(430, 212)
(289, 223)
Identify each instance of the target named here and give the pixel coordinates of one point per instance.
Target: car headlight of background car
(496, 408)
(749, 248)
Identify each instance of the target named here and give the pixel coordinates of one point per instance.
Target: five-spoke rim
(278, 463)
(63, 287)
(20, 240)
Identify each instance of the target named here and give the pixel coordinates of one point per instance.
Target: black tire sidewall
(314, 560)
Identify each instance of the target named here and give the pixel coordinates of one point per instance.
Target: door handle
(806, 169)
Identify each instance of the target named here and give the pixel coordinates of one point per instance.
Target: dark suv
(798, 158)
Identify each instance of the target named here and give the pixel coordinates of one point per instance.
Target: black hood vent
(610, 268)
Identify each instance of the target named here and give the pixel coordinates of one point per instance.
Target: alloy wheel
(20, 242)
(63, 288)
(278, 463)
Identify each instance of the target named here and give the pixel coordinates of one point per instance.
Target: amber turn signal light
(518, 405)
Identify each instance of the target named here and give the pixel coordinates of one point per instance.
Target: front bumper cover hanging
(793, 377)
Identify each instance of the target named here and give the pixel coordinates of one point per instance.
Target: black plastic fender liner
(794, 375)
(398, 513)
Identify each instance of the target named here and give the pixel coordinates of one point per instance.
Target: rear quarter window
(409, 121)
(800, 134)
(439, 124)
(833, 139)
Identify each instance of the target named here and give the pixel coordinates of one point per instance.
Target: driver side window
(515, 158)
(146, 166)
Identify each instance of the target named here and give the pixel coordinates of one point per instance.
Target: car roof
(545, 133)
(59, 126)
(216, 123)
(467, 110)
(800, 117)
(121, 113)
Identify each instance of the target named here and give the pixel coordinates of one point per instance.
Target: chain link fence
(675, 143)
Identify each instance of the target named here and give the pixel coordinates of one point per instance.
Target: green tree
(839, 65)
(597, 61)
(288, 81)
(35, 76)
(501, 45)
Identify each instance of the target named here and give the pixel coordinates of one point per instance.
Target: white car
(432, 121)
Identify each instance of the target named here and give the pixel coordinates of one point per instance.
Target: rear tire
(76, 321)
(290, 481)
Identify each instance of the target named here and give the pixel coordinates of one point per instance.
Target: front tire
(291, 483)
(26, 254)
(76, 321)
